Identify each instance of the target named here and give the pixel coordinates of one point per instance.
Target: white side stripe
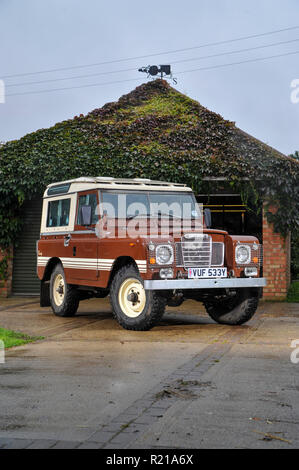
(102, 264)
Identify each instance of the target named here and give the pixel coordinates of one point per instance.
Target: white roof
(106, 182)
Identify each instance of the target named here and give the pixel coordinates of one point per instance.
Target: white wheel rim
(58, 289)
(132, 297)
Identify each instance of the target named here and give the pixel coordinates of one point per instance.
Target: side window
(58, 213)
(88, 200)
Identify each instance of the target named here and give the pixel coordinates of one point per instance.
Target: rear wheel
(64, 297)
(133, 307)
(236, 310)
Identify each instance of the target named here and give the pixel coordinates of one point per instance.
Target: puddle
(12, 370)
(14, 387)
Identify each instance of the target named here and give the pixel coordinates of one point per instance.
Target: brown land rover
(147, 245)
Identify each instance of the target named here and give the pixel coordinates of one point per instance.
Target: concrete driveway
(187, 383)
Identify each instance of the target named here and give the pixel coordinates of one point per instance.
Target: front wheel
(236, 310)
(133, 307)
(64, 298)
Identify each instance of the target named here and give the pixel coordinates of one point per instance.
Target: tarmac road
(187, 383)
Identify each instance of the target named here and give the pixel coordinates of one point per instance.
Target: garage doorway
(229, 213)
(24, 277)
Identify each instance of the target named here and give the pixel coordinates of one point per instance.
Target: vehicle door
(83, 241)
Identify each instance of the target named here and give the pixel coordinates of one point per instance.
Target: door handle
(67, 239)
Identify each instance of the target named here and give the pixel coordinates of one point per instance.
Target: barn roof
(152, 132)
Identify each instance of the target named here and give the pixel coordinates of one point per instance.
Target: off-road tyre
(69, 299)
(235, 311)
(154, 304)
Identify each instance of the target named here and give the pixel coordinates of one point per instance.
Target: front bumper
(227, 283)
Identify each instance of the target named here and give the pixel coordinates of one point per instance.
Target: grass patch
(12, 338)
(293, 294)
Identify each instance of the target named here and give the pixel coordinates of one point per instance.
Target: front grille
(178, 255)
(217, 254)
(196, 250)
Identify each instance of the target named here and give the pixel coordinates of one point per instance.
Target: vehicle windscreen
(150, 204)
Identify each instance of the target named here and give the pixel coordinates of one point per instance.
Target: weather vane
(154, 70)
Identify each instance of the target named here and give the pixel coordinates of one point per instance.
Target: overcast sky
(38, 35)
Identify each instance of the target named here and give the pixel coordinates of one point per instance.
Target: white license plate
(199, 273)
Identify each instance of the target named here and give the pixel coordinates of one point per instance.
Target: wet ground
(187, 383)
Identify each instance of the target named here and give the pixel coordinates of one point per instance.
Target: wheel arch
(45, 282)
(49, 268)
(119, 263)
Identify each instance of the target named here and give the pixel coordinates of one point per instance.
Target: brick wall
(277, 260)
(6, 284)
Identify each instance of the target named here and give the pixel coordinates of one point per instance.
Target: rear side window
(59, 189)
(58, 213)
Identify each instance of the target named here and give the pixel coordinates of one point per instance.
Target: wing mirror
(208, 218)
(85, 215)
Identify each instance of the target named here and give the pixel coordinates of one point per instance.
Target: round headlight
(164, 254)
(243, 254)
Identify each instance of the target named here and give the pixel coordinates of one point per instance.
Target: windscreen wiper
(167, 215)
(130, 217)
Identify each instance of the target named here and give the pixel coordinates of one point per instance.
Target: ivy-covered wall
(5, 272)
(153, 132)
